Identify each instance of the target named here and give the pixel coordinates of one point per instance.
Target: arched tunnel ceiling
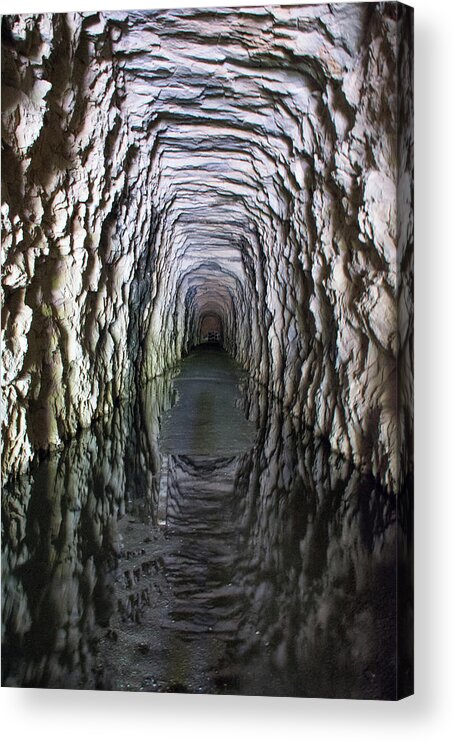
(159, 165)
(227, 116)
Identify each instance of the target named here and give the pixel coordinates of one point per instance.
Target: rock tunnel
(162, 168)
(237, 180)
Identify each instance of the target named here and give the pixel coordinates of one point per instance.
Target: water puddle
(182, 547)
(207, 419)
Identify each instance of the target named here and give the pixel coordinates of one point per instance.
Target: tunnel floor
(206, 419)
(181, 547)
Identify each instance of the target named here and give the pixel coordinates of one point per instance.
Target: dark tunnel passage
(211, 329)
(149, 184)
(206, 433)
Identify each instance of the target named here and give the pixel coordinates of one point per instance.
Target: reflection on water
(219, 564)
(205, 419)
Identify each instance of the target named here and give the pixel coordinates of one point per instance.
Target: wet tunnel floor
(207, 418)
(181, 547)
(202, 438)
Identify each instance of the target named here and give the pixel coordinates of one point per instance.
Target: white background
(68, 715)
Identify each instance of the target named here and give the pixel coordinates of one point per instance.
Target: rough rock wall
(163, 166)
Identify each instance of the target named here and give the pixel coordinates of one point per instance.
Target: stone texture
(163, 166)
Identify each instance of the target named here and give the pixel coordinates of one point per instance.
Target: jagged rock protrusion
(163, 165)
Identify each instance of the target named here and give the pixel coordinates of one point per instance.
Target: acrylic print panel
(207, 284)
